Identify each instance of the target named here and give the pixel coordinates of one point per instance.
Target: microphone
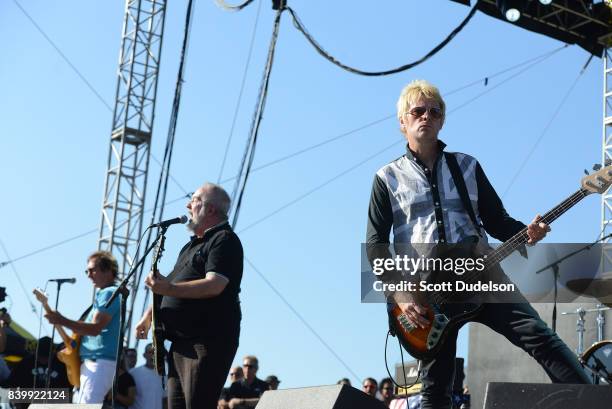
(63, 280)
(177, 220)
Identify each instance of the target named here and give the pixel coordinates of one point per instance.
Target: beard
(191, 225)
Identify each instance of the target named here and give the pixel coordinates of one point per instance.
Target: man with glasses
(235, 375)
(246, 392)
(149, 390)
(416, 195)
(99, 330)
(200, 309)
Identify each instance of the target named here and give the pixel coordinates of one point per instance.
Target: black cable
(406, 386)
(244, 76)
(225, 6)
(25, 292)
(321, 186)
(533, 61)
(162, 184)
(257, 116)
(298, 24)
(545, 130)
(299, 316)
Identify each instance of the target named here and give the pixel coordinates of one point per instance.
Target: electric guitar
(444, 316)
(159, 352)
(69, 356)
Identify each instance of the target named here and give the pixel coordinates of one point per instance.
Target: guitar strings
(517, 240)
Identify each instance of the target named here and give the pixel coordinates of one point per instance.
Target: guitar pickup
(405, 324)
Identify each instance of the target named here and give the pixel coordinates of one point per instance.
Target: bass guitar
(69, 356)
(444, 316)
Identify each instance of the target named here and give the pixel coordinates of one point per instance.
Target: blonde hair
(415, 90)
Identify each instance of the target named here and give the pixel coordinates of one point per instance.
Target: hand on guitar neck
(56, 318)
(159, 284)
(537, 230)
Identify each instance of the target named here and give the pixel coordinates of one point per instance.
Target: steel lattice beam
(132, 128)
(606, 201)
(587, 23)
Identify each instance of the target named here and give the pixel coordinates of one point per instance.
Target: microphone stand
(50, 358)
(125, 292)
(554, 266)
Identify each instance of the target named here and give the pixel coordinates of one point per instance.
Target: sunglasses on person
(417, 112)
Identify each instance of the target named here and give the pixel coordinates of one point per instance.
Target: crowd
(140, 387)
(246, 388)
(386, 392)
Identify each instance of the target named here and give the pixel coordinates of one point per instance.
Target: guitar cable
(419, 365)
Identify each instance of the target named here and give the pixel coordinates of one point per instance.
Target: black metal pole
(50, 358)
(124, 292)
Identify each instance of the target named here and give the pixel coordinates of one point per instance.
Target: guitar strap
(82, 317)
(453, 166)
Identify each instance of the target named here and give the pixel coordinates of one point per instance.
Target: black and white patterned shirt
(423, 205)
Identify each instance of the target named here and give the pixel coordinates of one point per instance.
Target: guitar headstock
(40, 295)
(158, 252)
(599, 181)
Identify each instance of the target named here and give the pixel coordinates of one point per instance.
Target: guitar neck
(59, 328)
(520, 238)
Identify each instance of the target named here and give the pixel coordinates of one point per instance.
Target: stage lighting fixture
(511, 9)
(545, 2)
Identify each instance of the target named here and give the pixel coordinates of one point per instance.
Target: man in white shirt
(149, 390)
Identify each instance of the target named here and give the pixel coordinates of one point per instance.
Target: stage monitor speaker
(319, 397)
(505, 395)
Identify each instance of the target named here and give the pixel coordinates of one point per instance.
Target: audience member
(344, 381)
(126, 387)
(149, 388)
(386, 391)
(370, 386)
(235, 375)
(246, 392)
(131, 357)
(406, 402)
(273, 381)
(32, 373)
(5, 372)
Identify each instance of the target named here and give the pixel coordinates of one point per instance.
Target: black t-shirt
(26, 375)
(124, 383)
(241, 390)
(215, 318)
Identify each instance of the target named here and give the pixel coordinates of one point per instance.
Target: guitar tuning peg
(586, 172)
(596, 167)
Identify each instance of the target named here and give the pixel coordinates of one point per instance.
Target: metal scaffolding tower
(128, 156)
(606, 200)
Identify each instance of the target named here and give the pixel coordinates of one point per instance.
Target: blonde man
(416, 196)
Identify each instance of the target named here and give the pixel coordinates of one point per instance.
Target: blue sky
(54, 134)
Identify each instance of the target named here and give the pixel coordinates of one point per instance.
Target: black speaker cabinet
(319, 397)
(505, 395)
